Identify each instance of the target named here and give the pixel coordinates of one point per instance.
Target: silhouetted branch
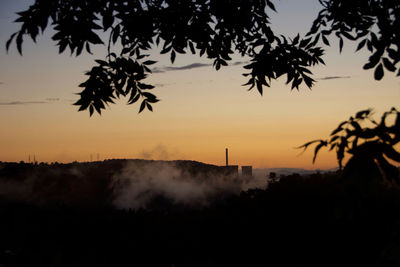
(377, 142)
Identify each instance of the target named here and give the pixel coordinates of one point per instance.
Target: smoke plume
(136, 186)
(122, 184)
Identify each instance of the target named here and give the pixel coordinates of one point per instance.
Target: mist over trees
(69, 217)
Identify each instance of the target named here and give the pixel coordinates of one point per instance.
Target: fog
(135, 187)
(130, 184)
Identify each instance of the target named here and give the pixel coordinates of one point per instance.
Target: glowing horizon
(202, 110)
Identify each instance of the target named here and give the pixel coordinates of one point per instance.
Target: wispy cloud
(240, 63)
(186, 67)
(160, 84)
(18, 102)
(191, 66)
(334, 77)
(13, 103)
(52, 99)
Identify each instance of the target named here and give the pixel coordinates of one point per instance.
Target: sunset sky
(202, 110)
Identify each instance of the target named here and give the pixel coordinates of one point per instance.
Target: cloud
(14, 103)
(157, 70)
(17, 102)
(186, 67)
(1, 83)
(334, 77)
(191, 66)
(240, 63)
(161, 84)
(52, 99)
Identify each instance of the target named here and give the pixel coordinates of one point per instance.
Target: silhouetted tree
(369, 147)
(215, 28)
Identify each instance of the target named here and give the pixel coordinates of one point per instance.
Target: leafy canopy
(214, 28)
(375, 143)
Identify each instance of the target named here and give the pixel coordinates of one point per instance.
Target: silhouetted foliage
(298, 221)
(373, 24)
(366, 145)
(215, 28)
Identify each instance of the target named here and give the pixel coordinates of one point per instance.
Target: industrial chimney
(226, 155)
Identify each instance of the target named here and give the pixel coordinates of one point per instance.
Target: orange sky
(202, 111)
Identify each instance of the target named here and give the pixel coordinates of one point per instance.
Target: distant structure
(32, 159)
(233, 170)
(247, 171)
(230, 170)
(226, 156)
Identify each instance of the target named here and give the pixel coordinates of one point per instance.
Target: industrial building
(233, 170)
(247, 171)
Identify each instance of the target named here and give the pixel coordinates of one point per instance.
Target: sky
(201, 112)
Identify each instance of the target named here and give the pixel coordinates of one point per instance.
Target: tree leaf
(88, 49)
(115, 34)
(102, 62)
(388, 65)
(334, 138)
(192, 48)
(361, 44)
(325, 40)
(296, 39)
(133, 98)
(149, 107)
(173, 55)
(259, 87)
(9, 41)
(153, 100)
(379, 72)
(305, 42)
(19, 43)
(317, 148)
(149, 62)
(363, 113)
(142, 106)
(271, 5)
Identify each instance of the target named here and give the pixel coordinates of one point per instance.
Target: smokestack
(226, 155)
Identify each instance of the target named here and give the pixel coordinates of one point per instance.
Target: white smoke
(134, 186)
(137, 185)
(159, 152)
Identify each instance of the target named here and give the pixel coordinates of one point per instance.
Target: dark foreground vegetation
(315, 220)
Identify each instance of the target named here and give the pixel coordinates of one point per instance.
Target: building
(230, 170)
(247, 171)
